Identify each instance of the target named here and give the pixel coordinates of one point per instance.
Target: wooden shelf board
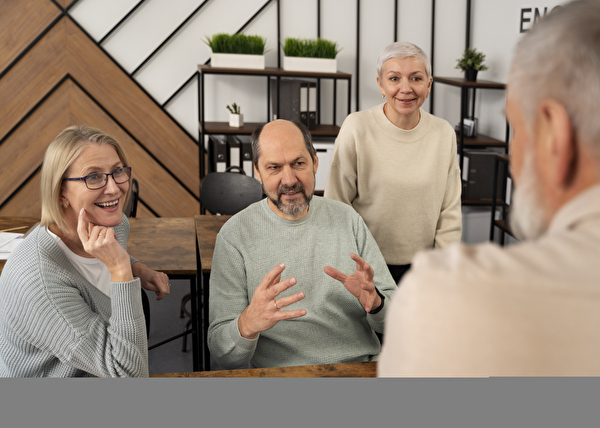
(270, 71)
(249, 127)
(482, 202)
(503, 225)
(481, 141)
(461, 82)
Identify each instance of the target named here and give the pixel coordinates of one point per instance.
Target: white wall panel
(414, 26)
(145, 30)
(185, 108)
(338, 23)
(99, 16)
(376, 32)
(495, 31)
(179, 59)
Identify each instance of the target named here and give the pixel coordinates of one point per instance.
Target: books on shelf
(478, 174)
(297, 101)
(230, 151)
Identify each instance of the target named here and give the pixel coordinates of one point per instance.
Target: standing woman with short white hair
(396, 164)
(71, 302)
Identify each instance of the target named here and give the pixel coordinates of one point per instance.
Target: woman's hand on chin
(101, 243)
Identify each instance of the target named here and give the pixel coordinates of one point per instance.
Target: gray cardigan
(54, 323)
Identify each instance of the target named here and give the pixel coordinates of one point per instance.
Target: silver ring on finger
(275, 303)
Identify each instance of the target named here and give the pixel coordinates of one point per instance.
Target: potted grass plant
(237, 50)
(316, 55)
(236, 118)
(471, 62)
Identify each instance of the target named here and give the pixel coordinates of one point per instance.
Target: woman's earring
(382, 95)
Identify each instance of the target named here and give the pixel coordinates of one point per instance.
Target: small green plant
(234, 108)
(312, 48)
(472, 59)
(236, 44)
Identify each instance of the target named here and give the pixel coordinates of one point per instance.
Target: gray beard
(291, 208)
(527, 215)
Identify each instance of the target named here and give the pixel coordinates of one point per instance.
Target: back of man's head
(559, 58)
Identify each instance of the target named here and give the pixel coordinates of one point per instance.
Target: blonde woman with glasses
(71, 302)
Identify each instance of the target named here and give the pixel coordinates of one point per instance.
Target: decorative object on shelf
(469, 127)
(471, 62)
(236, 118)
(237, 51)
(314, 55)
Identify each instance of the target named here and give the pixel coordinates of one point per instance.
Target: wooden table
(10, 222)
(320, 370)
(207, 228)
(168, 245)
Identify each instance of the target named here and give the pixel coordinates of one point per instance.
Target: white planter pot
(319, 65)
(236, 120)
(237, 61)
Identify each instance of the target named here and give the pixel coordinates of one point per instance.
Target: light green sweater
(54, 323)
(405, 184)
(336, 327)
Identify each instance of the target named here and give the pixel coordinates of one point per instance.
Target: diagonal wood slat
(20, 24)
(160, 190)
(27, 202)
(23, 151)
(164, 157)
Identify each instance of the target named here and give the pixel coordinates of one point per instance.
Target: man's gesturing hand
(264, 312)
(360, 283)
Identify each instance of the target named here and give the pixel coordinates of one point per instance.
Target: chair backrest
(130, 209)
(228, 193)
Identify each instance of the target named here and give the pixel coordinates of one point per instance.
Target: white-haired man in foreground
(530, 309)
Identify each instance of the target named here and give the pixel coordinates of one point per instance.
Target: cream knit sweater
(405, 184)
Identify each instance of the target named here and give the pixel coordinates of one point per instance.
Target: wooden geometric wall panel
(64, 79)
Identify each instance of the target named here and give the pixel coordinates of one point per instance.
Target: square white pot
(237, 61)
(319, 65)
(236, 120)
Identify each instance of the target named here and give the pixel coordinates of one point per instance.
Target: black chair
(224, 193)
(130, 211)
(228, 194)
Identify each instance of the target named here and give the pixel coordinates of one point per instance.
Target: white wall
(495, 31)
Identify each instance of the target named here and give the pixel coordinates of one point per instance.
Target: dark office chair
(224, 193)
(130, 210)
(228, 194)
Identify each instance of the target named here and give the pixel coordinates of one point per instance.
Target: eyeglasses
(97, 180)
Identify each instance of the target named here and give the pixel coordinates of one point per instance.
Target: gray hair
(403, 50)
(559, 58)
(305, 134)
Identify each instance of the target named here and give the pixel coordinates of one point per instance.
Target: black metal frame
(267, 73)
(503, 229)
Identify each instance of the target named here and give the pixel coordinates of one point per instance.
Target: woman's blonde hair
(60, 154)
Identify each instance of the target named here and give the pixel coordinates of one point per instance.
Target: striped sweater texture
(54, 323)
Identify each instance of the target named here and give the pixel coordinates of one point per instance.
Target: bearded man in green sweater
(317, 314)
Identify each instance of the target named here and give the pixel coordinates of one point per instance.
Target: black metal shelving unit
(501, 164)
(467, 103)
(208, 128)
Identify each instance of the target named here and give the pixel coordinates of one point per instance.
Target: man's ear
(315, 164)
(257, 174)
(558, 143)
